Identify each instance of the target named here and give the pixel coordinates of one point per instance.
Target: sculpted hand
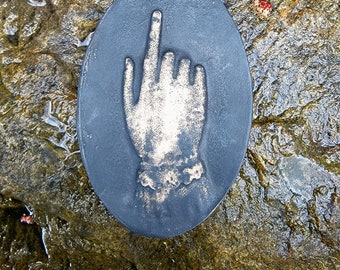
(167, 120)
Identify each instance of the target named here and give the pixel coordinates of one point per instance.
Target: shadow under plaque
(164, 112)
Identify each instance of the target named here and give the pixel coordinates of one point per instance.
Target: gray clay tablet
(164, 112)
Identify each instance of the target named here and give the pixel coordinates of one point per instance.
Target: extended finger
(199, 77)
(151, 57)
(167, 66)
(184, 71)
(128, 83)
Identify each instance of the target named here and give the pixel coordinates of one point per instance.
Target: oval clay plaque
(164, 112)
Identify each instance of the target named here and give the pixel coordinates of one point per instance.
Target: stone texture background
(282, 212)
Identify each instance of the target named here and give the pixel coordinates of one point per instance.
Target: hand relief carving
(166, 121)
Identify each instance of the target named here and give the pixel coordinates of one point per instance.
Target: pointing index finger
(151, 57)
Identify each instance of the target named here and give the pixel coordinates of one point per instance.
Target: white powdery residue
(194, 172)
(167, 125)
(161, 196)
(146, 181)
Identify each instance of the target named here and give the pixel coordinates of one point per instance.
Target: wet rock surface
(283, 211)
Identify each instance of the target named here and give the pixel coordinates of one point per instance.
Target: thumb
(128, 84)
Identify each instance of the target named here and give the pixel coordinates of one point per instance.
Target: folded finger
(167, 66)
(199, 77)
(184, 71)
